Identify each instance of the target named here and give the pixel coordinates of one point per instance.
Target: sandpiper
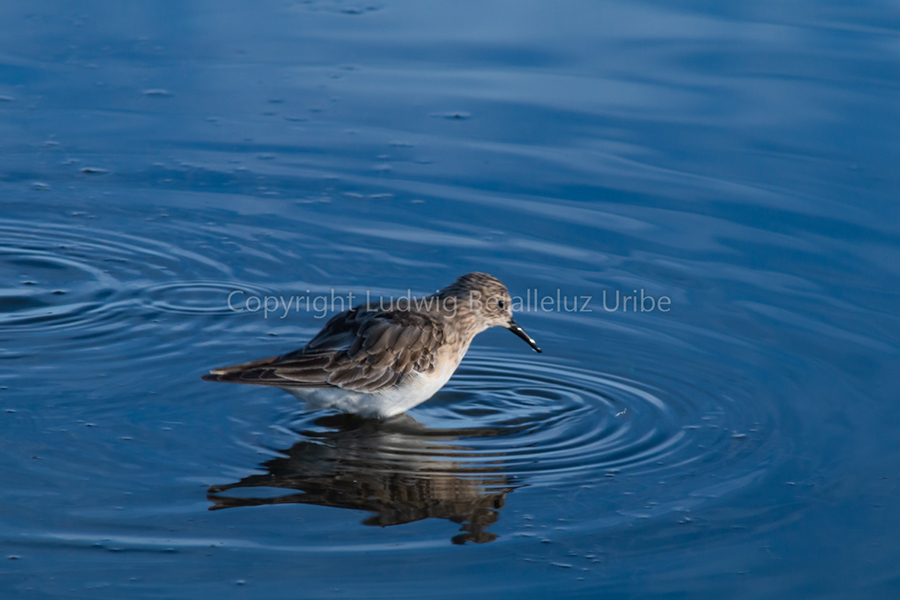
(378, 360)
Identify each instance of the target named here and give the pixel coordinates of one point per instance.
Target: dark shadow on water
(398, 469)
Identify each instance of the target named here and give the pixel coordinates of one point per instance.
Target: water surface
(739, 161)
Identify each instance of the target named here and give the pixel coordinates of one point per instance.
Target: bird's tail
(234, 373)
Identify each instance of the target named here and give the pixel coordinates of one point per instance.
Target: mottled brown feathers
(363, 350)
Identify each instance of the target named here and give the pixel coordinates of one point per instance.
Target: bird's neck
(460, 311)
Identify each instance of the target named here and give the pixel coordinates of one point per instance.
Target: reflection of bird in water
(398, 469)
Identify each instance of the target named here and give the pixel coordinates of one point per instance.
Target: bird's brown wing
(357, 350)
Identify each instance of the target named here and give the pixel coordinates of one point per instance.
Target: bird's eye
(502, 305)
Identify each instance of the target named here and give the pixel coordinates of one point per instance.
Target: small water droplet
(453, 115)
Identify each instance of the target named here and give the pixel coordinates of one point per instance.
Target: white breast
(412, 392)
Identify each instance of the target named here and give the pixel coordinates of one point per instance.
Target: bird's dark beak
(516, 329)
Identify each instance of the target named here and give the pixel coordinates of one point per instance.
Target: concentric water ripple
(503, 424)
(555, 421)
(78, 280)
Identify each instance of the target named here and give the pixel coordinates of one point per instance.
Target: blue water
(738, 159)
